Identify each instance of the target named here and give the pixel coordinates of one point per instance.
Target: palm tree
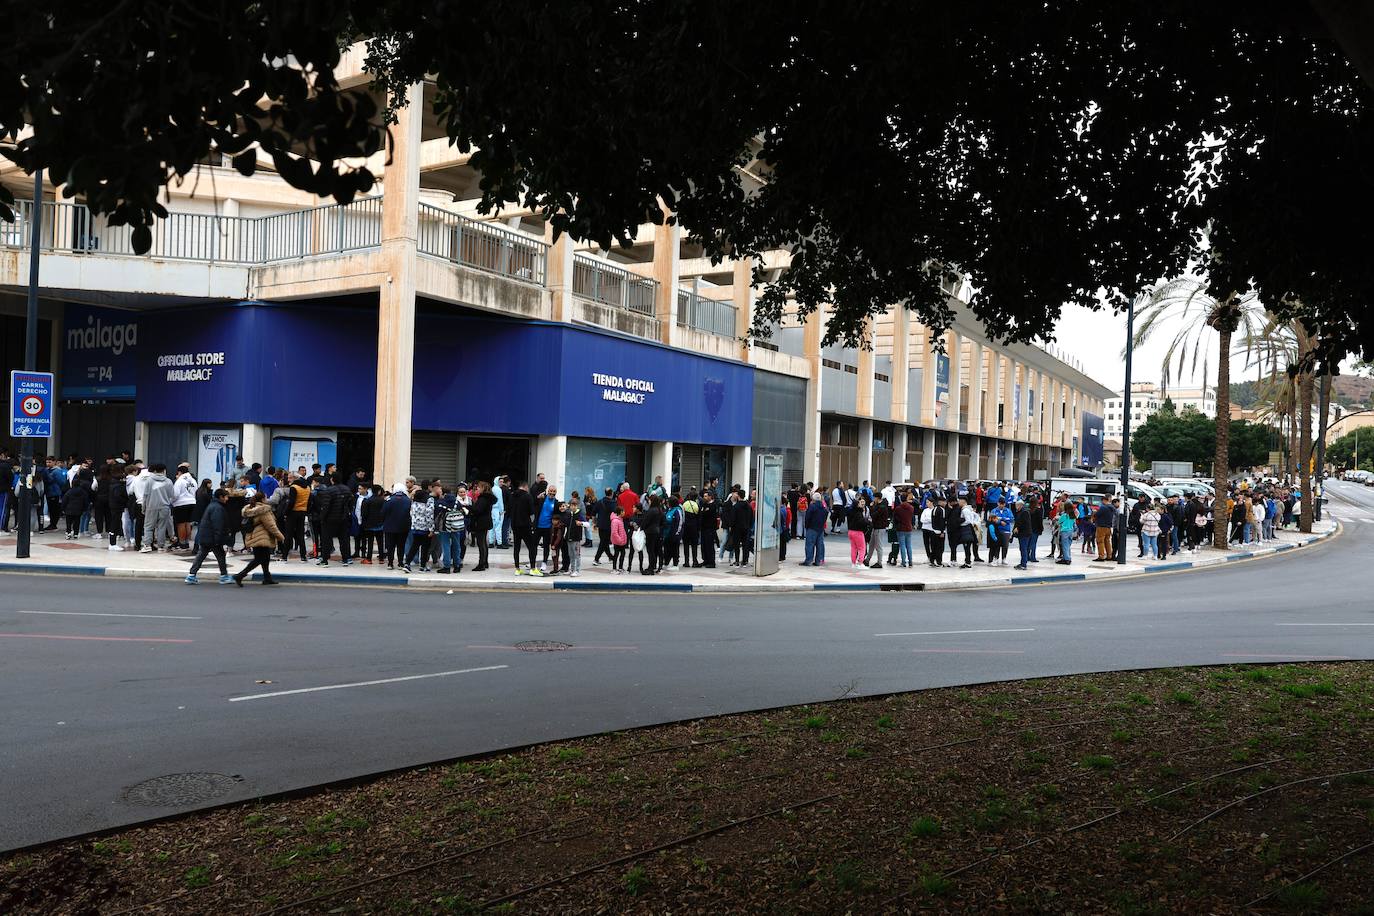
(1289, 343)
(1187, 302)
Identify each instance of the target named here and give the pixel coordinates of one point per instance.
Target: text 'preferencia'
(190, 367)
(624, 390)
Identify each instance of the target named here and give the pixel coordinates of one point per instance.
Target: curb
(743, 587)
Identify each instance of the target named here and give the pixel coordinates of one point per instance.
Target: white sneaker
(573, 573)
(115, 547)
(146, 549)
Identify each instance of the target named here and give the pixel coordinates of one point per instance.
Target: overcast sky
(1097, 339)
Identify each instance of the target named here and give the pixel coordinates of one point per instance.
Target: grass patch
(635, 881)
(1097, 762)
(923, 828)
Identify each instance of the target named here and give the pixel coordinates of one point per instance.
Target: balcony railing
(483, 246)
(694, 311)
(613, 286)
(329, 229)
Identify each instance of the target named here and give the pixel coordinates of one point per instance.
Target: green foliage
(1341, 453)
(923, 828)
(1187, 435)
(196, 876)
(1245, 394)
(1048, 171)
(1097, 762)
(636, 880)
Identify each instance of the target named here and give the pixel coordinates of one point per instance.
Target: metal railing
(482, 246)
(184, 236)
(613, 286)
(326, 229)
(694, 311)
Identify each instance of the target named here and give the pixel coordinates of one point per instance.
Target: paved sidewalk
(52, 553)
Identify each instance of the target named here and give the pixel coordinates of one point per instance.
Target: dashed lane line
(960, 632)
(96, 614)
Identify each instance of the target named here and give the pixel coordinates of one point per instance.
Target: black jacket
(372, 512)
(520, 509)
(1025, 523)
(479, 516)
(76, 500)
(708, 517)
(651, 520)
(856, 520)
(335, 501)
(210, 532)
(605, 508)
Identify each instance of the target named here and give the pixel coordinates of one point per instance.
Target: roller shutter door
(434, 456)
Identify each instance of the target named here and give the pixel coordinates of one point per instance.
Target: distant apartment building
(1147, 397)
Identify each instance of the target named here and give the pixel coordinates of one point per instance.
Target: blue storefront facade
(584, 406)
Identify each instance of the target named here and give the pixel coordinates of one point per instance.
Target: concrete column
(952, 469)
(667, 259)
(928, 454)
(975, 458)
(140, 445)
(255, 445)
(741, 465)
(866, 471)
(1008, 468)
(1042, 397)
(977, 383)
(812, 333)
(396, 306)
(923, 341)
(560, 275)
(954, 345)
(1006, 429)
(551, 460)
(1022, 459)
(1056, 413)
(661, 463)
(901, 360)
(743, 294)
(863, 402)
(899, 440)
(55, 351)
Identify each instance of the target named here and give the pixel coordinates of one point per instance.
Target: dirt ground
(1210, 790)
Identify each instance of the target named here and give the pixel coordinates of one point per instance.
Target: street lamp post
(25, 507)
(1125, 435)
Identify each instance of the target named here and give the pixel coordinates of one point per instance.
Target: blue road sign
(31, 404)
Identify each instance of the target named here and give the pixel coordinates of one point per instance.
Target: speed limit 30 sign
(31, 404)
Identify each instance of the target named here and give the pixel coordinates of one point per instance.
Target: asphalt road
(221, 680)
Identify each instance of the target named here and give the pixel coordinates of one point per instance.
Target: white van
(1104, 486)
(1189, 485)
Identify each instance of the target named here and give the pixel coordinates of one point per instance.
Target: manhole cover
(180, 789)
(542, 645)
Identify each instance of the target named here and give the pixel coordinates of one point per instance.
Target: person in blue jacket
(816, 515)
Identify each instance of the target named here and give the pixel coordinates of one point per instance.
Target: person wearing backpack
(672, 533)
(451, 529)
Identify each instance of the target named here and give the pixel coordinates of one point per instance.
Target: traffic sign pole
(25, 507)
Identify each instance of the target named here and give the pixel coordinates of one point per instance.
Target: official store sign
(190, 367)
(624, 390)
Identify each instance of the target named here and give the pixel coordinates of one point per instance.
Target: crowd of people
(320, 514)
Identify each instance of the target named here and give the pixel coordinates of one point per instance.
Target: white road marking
(960, 632)
(1324, 624)
(389, 680)
(95, 614)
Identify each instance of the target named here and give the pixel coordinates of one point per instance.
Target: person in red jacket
(628, 499)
